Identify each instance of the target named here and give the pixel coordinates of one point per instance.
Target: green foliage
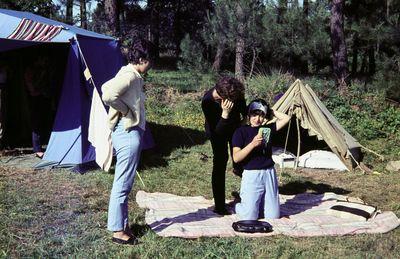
(191, 57)
(293, 39)
(388, 76)
(183, 81)
(223, 24)
(267, 87)
(41, 7)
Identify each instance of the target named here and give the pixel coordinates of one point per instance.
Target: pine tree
(338, 42)
(112, 13)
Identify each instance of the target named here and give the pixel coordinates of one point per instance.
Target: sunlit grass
(61, 214)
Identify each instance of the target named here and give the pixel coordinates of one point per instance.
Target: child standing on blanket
(252, 148)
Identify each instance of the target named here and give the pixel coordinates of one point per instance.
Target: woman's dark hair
(139, 49)
(258, 112)
(230, 88)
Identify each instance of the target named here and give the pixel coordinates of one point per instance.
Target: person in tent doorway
(3, 86)
(252, 148)
(124, 94)
(37, 83)
(223, 106)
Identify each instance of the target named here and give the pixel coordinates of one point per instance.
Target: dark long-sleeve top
(215, 125)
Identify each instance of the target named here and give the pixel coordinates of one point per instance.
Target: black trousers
(39, 109)
(220, 159)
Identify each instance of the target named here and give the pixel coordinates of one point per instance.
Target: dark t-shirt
(261, 156)
(217, 126)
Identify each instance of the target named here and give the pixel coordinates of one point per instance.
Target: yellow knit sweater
(124, 94)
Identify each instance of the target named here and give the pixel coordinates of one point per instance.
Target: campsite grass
(62, 214)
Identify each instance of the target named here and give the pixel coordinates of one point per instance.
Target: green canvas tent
(313, 117)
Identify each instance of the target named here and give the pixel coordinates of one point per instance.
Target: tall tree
(282, 6)
(112, 13)
(240, 43)
(154, 28)
(83, 14)
(338, 44)
(234, 26)
(216, 33)
(306, 11)
(69, 6)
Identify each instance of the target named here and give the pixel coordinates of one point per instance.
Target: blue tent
(91, 52)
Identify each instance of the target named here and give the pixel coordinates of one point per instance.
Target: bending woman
(124, 94)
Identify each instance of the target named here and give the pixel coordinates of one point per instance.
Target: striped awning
(35, 31)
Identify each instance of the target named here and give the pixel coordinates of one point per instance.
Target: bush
(191, 57)
(268, 87)
(387, 77)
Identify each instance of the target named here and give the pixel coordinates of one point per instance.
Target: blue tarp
(68, 143)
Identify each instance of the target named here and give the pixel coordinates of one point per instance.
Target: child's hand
(264, 122)
(257, 140)
(226, 106)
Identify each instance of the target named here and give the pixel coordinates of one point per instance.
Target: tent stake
(140, 178)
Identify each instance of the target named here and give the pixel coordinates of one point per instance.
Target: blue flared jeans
(259, 195)
(127, 145)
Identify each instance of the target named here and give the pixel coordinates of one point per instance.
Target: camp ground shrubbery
(61, 214)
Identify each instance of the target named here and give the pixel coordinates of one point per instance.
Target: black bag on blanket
(252, 226)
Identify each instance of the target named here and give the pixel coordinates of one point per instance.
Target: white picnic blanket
(304, 214)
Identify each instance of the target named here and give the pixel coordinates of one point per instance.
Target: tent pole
(298, 144)
(287, 136)
(284, 150)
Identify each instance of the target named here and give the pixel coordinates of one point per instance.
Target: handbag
(252, 226)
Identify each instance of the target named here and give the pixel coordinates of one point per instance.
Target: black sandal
(131, 241)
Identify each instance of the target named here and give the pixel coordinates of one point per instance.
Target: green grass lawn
(62, 214)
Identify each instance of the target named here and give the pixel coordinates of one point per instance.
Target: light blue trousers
(259, 193)
(127, 145)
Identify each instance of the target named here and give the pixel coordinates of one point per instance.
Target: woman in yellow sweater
(124, 94)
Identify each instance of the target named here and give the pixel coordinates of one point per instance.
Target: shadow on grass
(167, 138)
(196, 216)
(139, 230)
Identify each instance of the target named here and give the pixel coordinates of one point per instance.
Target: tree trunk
(178, 33)
(218, 57)
(112, 13)
(354, 10)
(239, 44)
(354, 64)
(282, 6)
(253, 62)
(83, 14)
(388, 2)
(371, 61)
(154, 33)
(338, 42)
(306, 8)
(364, 64)
(68, 13)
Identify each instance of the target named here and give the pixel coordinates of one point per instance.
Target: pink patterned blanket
(302, 215)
